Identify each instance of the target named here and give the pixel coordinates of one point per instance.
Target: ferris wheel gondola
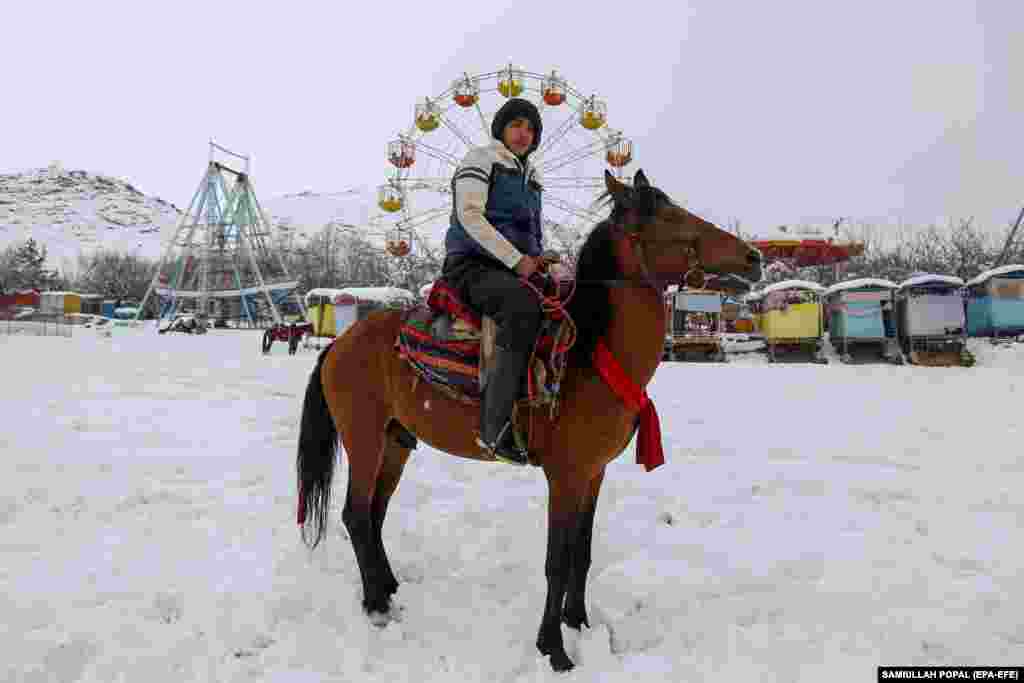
(577, 148)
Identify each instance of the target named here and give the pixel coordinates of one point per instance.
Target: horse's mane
(644, 200)
(589, 307)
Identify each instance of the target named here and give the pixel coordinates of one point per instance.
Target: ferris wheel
(577, 146)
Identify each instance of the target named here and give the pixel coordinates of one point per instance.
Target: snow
(323, 291)
(332, 294)
(929, 278)
(859, 283)
(791, 284)
(811, 523)
(382, 294)
(794, 234)
(995, 272)
(387, 295)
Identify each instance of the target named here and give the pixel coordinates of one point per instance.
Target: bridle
(641, 245)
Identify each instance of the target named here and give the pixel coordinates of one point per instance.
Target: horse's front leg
(575, 615)
(564, 515)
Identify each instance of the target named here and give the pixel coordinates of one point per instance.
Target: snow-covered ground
(812, 522)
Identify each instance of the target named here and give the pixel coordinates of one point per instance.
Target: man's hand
(527, 266)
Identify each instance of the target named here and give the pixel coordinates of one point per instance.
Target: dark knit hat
(512, 110)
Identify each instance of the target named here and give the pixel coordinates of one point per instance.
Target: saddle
(451, 346)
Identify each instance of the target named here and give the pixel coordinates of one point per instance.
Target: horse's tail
(318, 444)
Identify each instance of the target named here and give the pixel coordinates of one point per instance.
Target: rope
(552, 305)
(555, 308)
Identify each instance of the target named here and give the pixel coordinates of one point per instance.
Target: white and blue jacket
(496, 206)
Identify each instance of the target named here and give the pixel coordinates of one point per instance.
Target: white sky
(770, 113)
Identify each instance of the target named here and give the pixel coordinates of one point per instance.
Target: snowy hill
(75, 211)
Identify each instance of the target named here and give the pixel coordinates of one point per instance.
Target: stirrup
(520, 457)
(508, 460)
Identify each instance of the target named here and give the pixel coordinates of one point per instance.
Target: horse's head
(668, 242)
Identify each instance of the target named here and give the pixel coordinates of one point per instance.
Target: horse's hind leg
(365, 441)
(396, 454)
(575, 614)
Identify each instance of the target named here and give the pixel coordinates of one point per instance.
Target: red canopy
(802, 253)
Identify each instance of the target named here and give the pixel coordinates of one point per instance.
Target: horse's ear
(616, 189)
(639, 180)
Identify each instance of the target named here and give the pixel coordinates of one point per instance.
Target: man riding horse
(492, 245)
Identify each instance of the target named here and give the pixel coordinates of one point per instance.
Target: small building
(92, 304)
(27, 297)
(332, 311)
(60, 303)
(995, 303)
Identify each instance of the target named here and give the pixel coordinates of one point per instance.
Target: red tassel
(648, 439)
(302, 507)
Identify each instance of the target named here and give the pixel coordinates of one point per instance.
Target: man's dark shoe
(496, 431)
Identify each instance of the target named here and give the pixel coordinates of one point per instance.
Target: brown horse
(363, 391)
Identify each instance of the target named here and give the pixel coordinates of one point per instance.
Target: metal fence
(36, 326)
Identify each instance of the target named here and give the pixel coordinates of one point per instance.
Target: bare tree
(968, 250)
(113, 275)
(896, 252)
(1013, 249)
(9, 277)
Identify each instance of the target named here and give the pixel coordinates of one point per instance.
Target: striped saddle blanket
(450, 346)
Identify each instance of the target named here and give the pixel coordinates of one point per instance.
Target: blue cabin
(861, 310)
(861, 318)
(995, 303)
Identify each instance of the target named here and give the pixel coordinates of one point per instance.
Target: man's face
(518, 136)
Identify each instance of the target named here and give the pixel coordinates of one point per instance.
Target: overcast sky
(766, 112)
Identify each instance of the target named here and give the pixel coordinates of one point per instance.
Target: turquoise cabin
(995, 303)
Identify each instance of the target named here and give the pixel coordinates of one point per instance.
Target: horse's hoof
(382, 616)
(378, 610)
(379, 619)
(560, 661)
(556, 653)
(576, 621)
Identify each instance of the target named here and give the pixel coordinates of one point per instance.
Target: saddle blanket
(445, 341)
